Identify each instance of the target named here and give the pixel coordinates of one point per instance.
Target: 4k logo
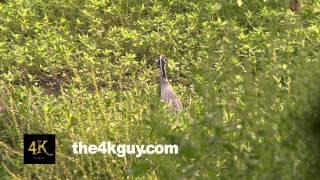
(39, 149)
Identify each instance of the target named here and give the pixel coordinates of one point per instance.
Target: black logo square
(39, 148)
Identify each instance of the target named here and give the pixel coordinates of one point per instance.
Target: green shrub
(86, 70)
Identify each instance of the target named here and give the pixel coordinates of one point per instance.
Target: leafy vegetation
(247, 74)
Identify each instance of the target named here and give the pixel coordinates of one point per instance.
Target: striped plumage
(167, 93)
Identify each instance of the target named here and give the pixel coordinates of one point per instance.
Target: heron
(167, 93)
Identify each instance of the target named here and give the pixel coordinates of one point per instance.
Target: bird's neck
(163, 75)
(163, 71)
(163, 80)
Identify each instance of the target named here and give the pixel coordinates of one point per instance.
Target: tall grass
(86, 71)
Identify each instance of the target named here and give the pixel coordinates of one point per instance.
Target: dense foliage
(247, 74)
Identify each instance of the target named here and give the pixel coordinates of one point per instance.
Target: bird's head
(162, 61)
